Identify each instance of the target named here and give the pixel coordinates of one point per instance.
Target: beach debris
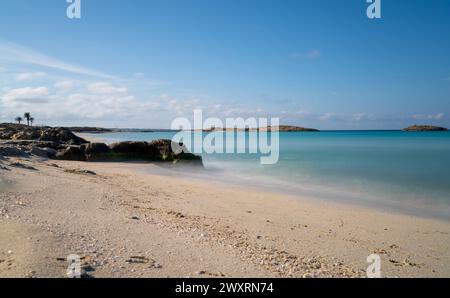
(138, 260)
(80, 172)
(144, 260)
(395, 262)
(380, 251)
(204, 272)
(407, 261)
(135, 218)
(176, 214)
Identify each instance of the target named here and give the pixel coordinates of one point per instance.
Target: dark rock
(97, 152)
(30, 144)
(131, 149)
(43, 152)
(75, 153)
(27, 134)
(7, 134)
(61, 135)
(166, 150)
(12, 152)
(425, 128)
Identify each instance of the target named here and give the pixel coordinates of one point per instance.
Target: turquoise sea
(399, 171)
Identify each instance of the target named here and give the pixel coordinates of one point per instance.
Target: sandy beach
(124, 222)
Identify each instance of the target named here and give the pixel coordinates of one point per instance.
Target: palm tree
(18, 119)
(27, 116)
(31, 121)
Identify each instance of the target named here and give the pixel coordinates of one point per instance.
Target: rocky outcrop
(97, 152)
(10, 151)
(75, 153)
(131, 149)
(425, 128)
(61, 135)
(160, 150)
(57, 135)
(61, 143)
(44, 152)
(27, 134)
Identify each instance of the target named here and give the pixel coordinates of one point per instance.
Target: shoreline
(211, 229)
(277, 186)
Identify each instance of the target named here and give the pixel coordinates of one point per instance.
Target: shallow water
(395, 170)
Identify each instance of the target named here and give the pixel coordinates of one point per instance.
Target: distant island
(425, 128)
(87, 129)
(289, 128)
(281, 128)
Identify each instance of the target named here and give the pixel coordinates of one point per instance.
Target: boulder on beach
(97, 152)
(10, 151)
(159, 150)
(61, 135)
(44, 152)
(75, 153)
(130, 149)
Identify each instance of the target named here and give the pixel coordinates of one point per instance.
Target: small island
(289, 128)
(424, 128)
(281, 128)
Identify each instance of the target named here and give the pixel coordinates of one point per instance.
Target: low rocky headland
(424, 128)
(62, 144)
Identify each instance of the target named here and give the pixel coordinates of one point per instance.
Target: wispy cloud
(16, 53)
(438, 116)
(313, 54)
(30, 76)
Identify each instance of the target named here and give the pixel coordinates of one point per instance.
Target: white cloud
(16, 53)
(438, 116)
(106, 88)
(26, 76)
(65, 85)
(27, 94)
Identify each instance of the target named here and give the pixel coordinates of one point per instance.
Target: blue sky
(316, 63)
